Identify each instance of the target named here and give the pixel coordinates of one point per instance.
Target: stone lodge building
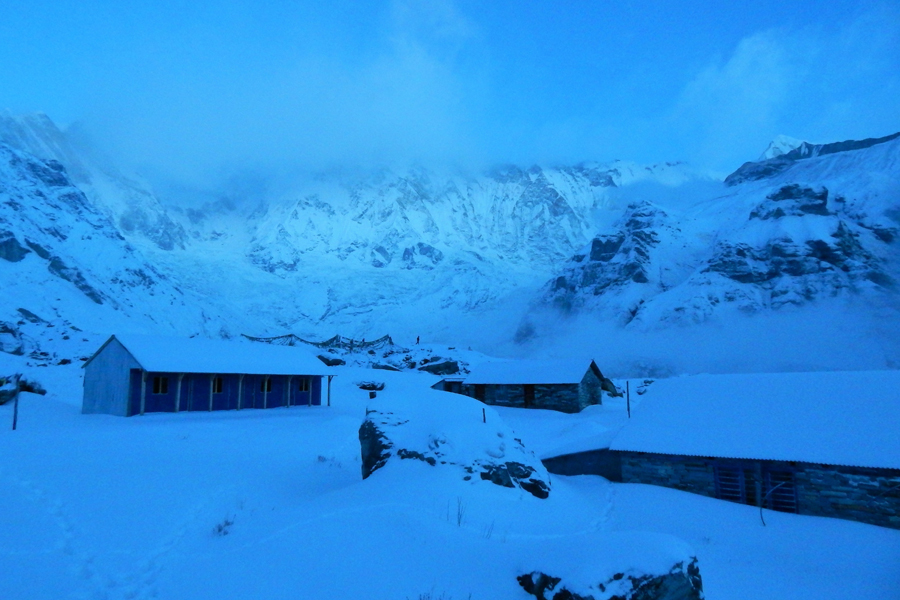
(566, 386)
(824, 444)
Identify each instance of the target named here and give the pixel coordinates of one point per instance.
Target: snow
(529, 371)
(550, 433)
(837, 418)
(200, 355)
(782, 144)
(271, 504)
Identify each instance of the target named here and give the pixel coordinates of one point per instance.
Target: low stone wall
(860, 494)
(686, 473)
(855, 493)
(561, 397)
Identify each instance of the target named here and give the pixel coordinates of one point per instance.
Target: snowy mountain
(409, 251)
(815, 223)
(463, 258)
(780, 146)
(67, 271)
(128, 201)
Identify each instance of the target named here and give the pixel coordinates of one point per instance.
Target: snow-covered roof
(837, 418)
(529, 371)
(200, 355)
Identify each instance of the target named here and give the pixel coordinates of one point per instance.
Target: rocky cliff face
(65, 266)
(127, 201)
(417, 252)
(823, 224)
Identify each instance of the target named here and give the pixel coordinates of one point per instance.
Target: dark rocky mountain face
(823, 224)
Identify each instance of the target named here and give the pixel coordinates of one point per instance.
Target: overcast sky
(187, 87)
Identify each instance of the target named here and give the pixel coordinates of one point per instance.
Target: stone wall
(561, 397)
(860, 494)
(590, 391)
(855, 493)
(686, 473)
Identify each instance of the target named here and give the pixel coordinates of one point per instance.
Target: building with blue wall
(138, 374)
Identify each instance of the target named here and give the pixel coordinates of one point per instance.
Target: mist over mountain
(652, 267)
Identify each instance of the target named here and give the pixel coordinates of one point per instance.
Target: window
(453, 386)
(735, 484)
(265, 385)
(480, 391)
(779, 491)
(304, 384)
(160, 385)
(218, 385)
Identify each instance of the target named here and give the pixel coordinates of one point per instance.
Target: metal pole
(240, 389)
(329, 390)
(16, 401)
(178, 393)
(761, 504)
(143, 390)
(628, 396)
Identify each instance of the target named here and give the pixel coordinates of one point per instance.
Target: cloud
(402, 99)
(817, 84)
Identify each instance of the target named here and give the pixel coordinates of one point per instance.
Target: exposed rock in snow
(129, 202)
(819, 228)
(457, 434)
(617, 259)
(777, 163)
(682, 582)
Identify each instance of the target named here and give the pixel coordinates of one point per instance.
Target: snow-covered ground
(271, 504)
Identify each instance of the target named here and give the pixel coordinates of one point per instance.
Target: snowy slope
(271, 504)
(467, 259)
(823, 227)
(126, 200)
(66, 270)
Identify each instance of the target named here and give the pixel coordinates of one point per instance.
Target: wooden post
(329, 389)
(628, 396)
(212, 380)
(483, 416)
(266, 391)
(16, 378)
(240, 389)
(143, 390)
(287, 392)
(178, 393)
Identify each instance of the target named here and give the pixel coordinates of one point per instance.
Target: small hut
(566, 386)
(136, 374)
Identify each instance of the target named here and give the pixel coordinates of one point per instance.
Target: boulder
(370, 386)
(332, 361)
(447, 367)
(459, 435)
(681, 582)
(8, 387)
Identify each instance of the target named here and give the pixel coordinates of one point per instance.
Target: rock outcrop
(459, 435)
(682, 582)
